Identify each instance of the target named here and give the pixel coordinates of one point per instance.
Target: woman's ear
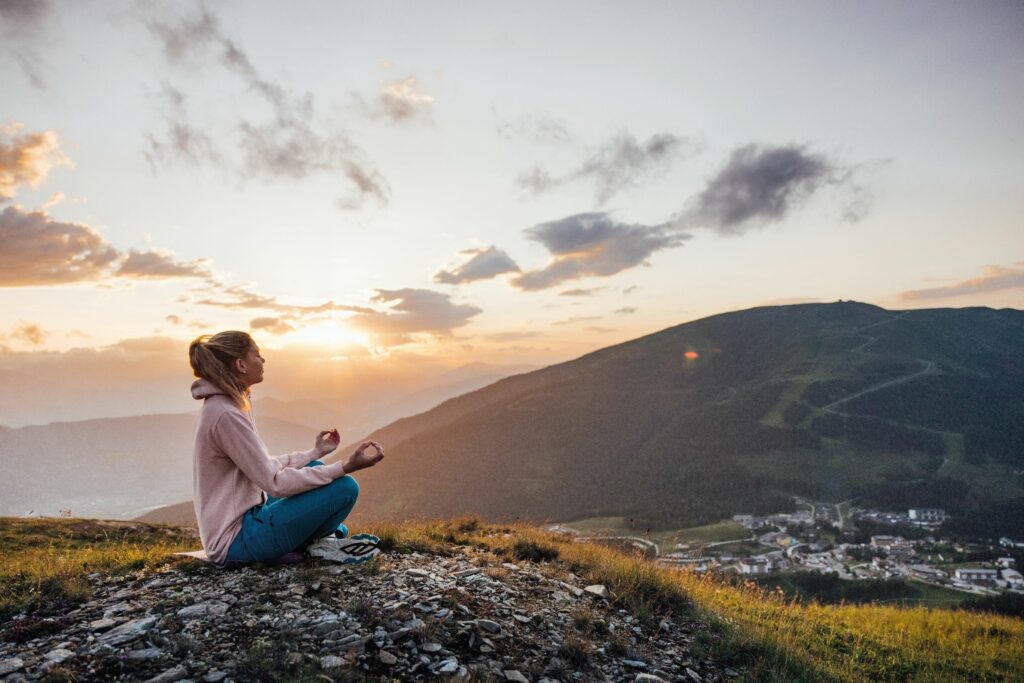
(239, 366)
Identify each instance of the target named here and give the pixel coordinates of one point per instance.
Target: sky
(406, 187)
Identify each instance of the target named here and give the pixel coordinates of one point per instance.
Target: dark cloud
(279, 325)
(21, 24)
(621, 163)
(291, 143)
(181, 141)
(992, 279)
(580, 291)
(629, 290)
(537, 128)
(159, 265)
(593, 244)
(173, 319)
(760, 185)
(26, 158)
(36, 250)
(412, 311)
(625, 310)
(484, 263)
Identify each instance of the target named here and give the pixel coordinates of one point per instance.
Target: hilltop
(455, 600)
(733, 413)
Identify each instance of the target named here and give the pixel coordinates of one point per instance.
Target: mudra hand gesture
(327, 441)
(361, 459)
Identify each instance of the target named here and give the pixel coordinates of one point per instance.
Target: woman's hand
(327, 441)
(360, 460)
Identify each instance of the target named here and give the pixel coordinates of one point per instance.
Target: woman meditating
(252, 506)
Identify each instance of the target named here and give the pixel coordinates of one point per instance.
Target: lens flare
(691, 355)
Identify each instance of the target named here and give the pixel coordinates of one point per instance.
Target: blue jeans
(282, 525)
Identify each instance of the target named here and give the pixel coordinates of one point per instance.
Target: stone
(214, 676)
(488, 625)
(144, 655)
(10, 665)
(210, 608)
(448, 666)
(102, 624)
(649, 678)
(170, 676)
(731, 673)
(597, 589)
(386, 658)
(417, 573)
(634, 663)
(59, 655)
(128, 631)
(431, 647)
(693, 675)
(515, 676)
(331, 662)
(462, 573)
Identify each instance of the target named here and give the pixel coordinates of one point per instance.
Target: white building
(891, 543)
(928, 515)
(1013, 578)
(975, 575)
(754, 565)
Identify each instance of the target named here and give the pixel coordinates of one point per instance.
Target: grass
(762, 632)
(45, 562)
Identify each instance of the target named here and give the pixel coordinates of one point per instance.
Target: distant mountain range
(735, 412)
(119, 467)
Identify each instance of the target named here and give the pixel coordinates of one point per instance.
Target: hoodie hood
(203, 388)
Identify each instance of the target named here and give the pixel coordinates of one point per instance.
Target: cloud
(412, 311)
(22, 23)
(600, 330)
(580, 291)
(181, 140)
(173, 319)
(537, 128)
(621, 163)
(290, 144)
(159, 265)
(577, 319)
(625, 310)
(27, 333)
(280, 325)
(760, 185)
(485, 263)
(401, 100)
(27, 159)
(512, 336)
(593, 244)
(241, 297)
(992, 279)
(36, 250)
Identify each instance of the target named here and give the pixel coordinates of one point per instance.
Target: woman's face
(249, 367)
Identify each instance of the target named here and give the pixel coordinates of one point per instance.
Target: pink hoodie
(231, 469)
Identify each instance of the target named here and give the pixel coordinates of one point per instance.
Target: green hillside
(736, 412)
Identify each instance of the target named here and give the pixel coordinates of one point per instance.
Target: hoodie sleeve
(298, 458)
(236, 437)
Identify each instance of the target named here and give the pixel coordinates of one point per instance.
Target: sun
(331, 335)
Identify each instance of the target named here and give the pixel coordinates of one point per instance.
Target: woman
(307, 500)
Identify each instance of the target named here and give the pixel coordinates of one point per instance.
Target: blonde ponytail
(212, 357)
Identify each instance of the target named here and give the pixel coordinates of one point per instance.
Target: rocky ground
(465, 615)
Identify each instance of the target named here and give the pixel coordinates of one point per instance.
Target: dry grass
(46, 562)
